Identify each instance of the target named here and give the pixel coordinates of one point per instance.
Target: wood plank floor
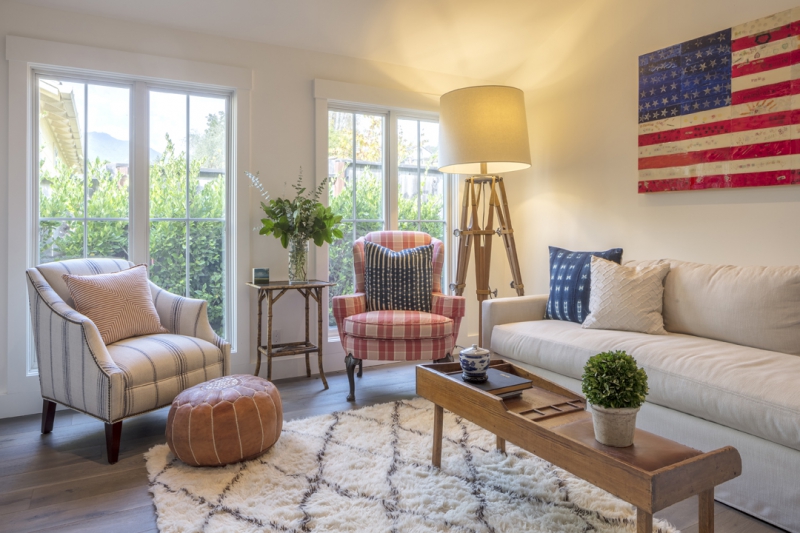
(62, 482)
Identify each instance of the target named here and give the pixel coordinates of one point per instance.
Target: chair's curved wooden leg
(360, 368)
(48, 415)
(113, 437)
(350, 363)
(446, 359)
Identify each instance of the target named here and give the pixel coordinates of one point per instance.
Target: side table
(310, 288)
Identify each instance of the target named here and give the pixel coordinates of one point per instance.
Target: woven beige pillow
(626, 298)
(120, 304)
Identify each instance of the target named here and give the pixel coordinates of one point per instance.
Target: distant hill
(108, 148)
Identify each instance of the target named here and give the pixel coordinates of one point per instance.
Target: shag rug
(369, 470)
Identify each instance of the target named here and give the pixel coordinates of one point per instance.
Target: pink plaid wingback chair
(396, 335)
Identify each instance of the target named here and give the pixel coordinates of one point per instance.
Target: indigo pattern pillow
(398, 281)
(570, 282)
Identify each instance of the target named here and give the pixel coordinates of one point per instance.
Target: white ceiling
(484, 39)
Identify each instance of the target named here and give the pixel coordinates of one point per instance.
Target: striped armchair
(396, 335)
(129, 377)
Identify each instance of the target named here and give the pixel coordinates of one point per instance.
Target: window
(85, 176)
(360, 185)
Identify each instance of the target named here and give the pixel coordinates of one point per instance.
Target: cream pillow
(626, 298)
(120, 304)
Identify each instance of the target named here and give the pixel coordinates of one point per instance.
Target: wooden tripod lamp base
(483, 132)
(472, 236)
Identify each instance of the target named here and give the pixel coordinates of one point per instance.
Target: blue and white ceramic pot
(474, 362)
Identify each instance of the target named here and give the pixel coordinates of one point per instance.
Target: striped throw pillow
(398, 281)
(120, 304)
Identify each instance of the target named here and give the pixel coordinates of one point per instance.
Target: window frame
(395, 105)
(139, 172)
(28, 56)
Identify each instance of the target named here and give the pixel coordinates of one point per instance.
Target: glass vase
(298, 260)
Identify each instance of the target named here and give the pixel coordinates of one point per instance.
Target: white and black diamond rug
(369, 470)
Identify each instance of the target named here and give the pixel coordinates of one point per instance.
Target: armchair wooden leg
(48, 415)
(446, 359)
(351, 363)
(113, 435)
(360, 368)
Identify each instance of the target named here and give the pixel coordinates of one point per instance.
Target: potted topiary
(616, 388)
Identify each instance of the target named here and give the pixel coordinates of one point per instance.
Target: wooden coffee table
(551, 422)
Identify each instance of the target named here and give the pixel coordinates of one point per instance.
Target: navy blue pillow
(570, 282)
(400, 281)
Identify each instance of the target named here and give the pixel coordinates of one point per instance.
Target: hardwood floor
(62, 482)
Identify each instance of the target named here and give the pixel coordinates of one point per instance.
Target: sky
(109, 112)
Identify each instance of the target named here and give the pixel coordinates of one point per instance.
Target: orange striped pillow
(120, 304)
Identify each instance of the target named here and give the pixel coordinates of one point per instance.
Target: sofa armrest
(75, 368)
(188, 317)
(508, 310)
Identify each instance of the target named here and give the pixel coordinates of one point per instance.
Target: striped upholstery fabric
(119, 303)
(399, 350)
(75, 366)
(399, 281)
(372, 346)
(155, 368)
(398, 325)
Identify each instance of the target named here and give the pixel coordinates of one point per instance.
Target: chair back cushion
(120, 303)
(53, 272)
(398, 280)
(397, 241)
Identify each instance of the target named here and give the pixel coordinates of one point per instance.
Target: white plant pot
(614, 427)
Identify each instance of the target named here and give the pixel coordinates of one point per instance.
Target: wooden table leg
(438, 423)
(644, 521)
(501, 444)
(269, 337)
(319, 337)
(706, 511)
(308, 364)
(258, 332)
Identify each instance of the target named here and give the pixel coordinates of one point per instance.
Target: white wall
(282, 129)
(581, 192)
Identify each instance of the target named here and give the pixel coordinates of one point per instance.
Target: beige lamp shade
(483, 125)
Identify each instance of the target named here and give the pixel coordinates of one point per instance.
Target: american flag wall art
(723, 110)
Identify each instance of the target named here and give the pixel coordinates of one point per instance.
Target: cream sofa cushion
(626, 298)
(752, 390)
(751, 306)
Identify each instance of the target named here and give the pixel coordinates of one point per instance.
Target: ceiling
(493, 40)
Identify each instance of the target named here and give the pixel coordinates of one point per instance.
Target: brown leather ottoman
(225, 420)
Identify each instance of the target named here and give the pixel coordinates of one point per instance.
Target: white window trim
(26, 55)
(393, 104)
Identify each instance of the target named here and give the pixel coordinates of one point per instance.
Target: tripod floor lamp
(483, 132)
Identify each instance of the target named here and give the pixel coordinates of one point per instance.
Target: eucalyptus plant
(302, 218)
(613, 380)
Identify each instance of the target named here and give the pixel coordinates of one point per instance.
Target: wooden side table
(310, 288)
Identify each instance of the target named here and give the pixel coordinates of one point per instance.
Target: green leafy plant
(300, 219)
(613, 380)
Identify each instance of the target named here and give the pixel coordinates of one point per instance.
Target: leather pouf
(225, 420)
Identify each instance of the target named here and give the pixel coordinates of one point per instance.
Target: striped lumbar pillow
(120, 304)
(399, 281)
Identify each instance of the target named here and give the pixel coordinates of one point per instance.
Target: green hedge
(108, 198)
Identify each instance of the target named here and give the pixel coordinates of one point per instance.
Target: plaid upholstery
(75, 366)
(399, 350)
(380, 340)
(398, 325)
(396, 241)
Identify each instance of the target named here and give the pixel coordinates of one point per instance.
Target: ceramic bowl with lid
(474, 362)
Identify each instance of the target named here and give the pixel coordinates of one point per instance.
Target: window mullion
(139, 226)
(393, 171)
(188, 167)
(85, 170)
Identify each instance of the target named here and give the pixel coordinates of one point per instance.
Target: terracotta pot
(614, 427)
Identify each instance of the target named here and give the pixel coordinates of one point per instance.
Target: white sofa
(727, 372)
